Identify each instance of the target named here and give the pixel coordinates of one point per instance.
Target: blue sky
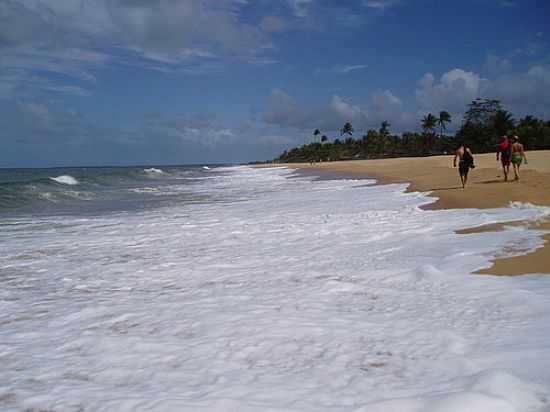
(118, 82)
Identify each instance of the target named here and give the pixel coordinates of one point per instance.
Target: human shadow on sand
(445, 188)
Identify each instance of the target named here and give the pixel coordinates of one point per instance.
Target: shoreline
(485, 189)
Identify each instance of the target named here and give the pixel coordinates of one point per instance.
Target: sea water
(241, 289)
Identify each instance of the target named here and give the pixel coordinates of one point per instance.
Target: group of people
(509, 151)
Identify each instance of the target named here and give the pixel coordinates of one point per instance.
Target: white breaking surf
(298, 295)
(65, 180)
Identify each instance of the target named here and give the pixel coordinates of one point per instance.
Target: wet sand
(485, 189)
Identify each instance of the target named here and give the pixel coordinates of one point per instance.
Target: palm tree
(316, 133)
(444, 117)
(385, 128)
(503, 122)
(429, 122)
(347, 129)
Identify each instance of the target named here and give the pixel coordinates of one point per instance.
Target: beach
(486, 189)
(239, 288)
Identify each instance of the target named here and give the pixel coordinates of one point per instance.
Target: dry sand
(485, 189)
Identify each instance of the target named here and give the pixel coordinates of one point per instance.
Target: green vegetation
(484, 122)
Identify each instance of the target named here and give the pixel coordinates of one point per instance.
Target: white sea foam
(299, 296)
(65, 180)
(144, 190)
(154, 171)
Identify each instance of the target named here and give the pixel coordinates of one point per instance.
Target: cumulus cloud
(495, 65)
(452, 92)
(521, 93)
(185, 129)
(527, 93)
(343, 109)
(284, 111)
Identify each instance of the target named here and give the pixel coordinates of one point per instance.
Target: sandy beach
(486, 189)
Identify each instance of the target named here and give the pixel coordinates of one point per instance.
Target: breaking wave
(154, 171)
(111, 188)
(65, 180)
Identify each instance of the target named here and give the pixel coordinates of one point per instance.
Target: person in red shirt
(504, 153)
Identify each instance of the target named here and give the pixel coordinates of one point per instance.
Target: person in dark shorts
(465, 163)
(504, 152)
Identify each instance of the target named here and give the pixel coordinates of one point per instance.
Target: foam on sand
(288, 295)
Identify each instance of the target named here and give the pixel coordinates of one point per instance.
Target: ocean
(92, 190)
(243, 289)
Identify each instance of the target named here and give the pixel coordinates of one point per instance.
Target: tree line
(484, 122)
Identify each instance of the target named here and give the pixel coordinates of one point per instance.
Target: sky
(152, 82)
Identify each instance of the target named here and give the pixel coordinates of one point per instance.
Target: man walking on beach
(466, 161)
(504, 152)
(518, 155)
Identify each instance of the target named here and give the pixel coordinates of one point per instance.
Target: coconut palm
(429, 122)
(444, 117)
(316, 133)
(503, 122)
(347, 129)
(385, 128)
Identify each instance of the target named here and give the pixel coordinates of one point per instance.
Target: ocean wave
(48, 196)
(110, 188)
(144, 190)
(154, 171)
(65, 180)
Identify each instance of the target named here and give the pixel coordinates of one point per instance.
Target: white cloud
(165, 31)
(72, 62)
(273, 24)
(19, 84)
(381, 4)
(64, 36)
(496, 65)
(300, 7)
(275, 140)
(345, 110)
(540, 72)
(521, 93)
(37, 123)
(196, 130)
(284, 111)
(38, 113)
(454, 90)
(349, 68)
(531, 48)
